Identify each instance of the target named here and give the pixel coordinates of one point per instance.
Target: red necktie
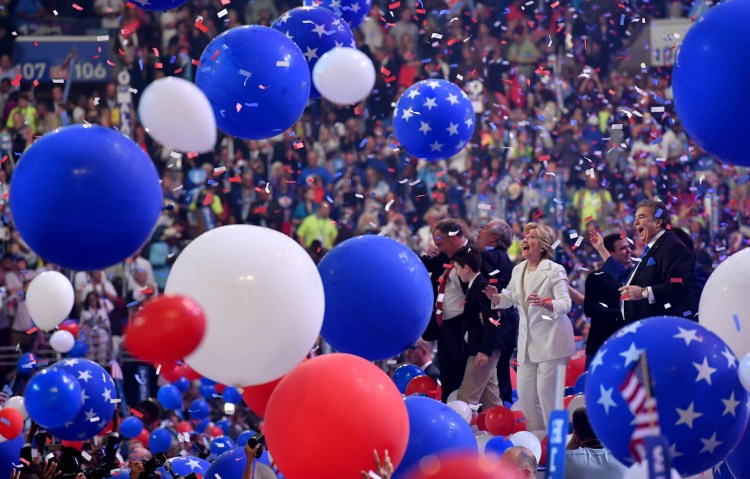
(441, 292)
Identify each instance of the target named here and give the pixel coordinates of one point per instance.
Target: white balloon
(453, 396)
(539, 434)
(724, 298)
(482, 438)
(18, 403)
(639, 470)
(578, 401)
(744, 372)
(344, 76)
(263, 300)
(462, 409)
(50, 298)
(177, 114)
(62, 341)
(529, 441)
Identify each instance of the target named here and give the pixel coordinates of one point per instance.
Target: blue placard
(657, 457)
(558, 429)
(63, 58)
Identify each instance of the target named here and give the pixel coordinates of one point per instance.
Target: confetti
(281, 63)
(737, 322)
(77, 7)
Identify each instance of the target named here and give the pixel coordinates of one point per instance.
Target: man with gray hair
(493, 241)
(522, 460)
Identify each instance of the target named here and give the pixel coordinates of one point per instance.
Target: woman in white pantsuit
(539, 289)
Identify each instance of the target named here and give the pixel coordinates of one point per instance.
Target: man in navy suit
(662, 282)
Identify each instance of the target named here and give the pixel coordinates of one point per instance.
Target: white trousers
(536, 391)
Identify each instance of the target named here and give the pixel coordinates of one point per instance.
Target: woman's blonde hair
(546, 236)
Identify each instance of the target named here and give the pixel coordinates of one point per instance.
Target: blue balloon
(224, 424)
(199, 409)
(207, 391)
(396, 289)
(201, 425)
(403, 374)
(498, 445)
(160, 440)
(53, 397)
(10, 453)
(232, 395)
(26, 364)
(433, 119)
(98, 394)
(702, 406)
(131, 427)
(157, 5)
(85, 197)
(352, 11)
(185, 465)
(739, 459)
(230, 464)
(713, 61)
(80, 349)
(315, 31)
(170, 397)
(434, 428)
(183, 384)
(221, 444)
(257, 81)
(568, 391)
(207, 382)
(243, 437)
(580, 385)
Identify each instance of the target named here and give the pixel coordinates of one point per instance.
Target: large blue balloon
(403, 374)
(378, 297)
(85, 197)
(710, 89)
(257, 81)
(170, 397)
(739, 459)
(98, 395)
(159, 440)
(315, 31)
(702, 406)
(434, 428)
(26, 364)
(185, 465)
(53, 397)
(199, 409)
(131, 427)
(10, 453)
(221, 444)
(433, 119)
(157, 5)
(80, 348)
(352, 11)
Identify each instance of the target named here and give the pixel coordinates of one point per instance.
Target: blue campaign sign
(558, 429)
(657, 457)
(70, 58)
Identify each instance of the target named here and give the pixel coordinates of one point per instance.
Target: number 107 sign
(69, 58)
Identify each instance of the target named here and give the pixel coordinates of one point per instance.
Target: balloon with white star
(703, 408)
(98, 400)
(352, 11)
(433, 119)
(184, 466)
(257, 81)
(315, 31)
(53, 397)
(157, 5)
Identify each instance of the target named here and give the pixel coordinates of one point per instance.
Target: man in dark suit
(602, 299)
(493, 241)
(421, 356)
(446, 324)
(662, 282)
(479, 383)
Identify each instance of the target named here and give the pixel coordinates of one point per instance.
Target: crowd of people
(571, 173)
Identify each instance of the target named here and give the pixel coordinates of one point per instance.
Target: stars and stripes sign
(636, 391)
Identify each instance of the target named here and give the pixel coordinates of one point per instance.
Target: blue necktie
(643, 255)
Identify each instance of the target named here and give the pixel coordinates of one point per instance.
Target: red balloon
(106, 430)
(220, 388)
(520, 421)
(77, 445)
(183, 426)
(576, 367)
(422, 385)
(482, 421)
(453, 465)
(346, 407)
(167, 328)
(215, 431)
(543, 459)
(11, 423)
(256, 397)
(500, 421)
(189, 373)
(170, 371)
(70, 326)
(143, 437)
(567, 399)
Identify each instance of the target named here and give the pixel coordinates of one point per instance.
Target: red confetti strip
(235, 179)
(136, 413)
(200, 26)
(32, 330)
(385, 71)
(452, 41)
(36, 83)
(390, 79)
(554, 5)
(196, 62)
(17, 80)
(587, 219)
(675, 280)
(492, 280)
(544, 158)
(209, 198)
(394, 6)
(77, 7)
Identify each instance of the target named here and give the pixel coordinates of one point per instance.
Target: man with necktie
(661, 284)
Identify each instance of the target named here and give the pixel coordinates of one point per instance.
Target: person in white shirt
(586, 457)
